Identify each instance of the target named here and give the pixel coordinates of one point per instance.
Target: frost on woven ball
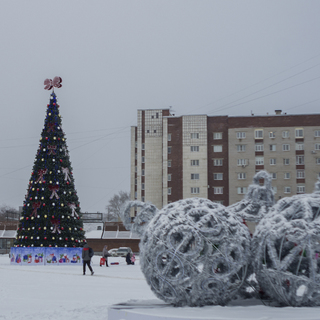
(286, 247)
(194, 252)
(146, 212)
(258, 200)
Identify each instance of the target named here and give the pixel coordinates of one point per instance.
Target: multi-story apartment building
(216, 157)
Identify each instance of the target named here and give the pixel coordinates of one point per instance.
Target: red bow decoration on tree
(35, 207)
(56, 225)
(50, 127)
(49, 84)
(41, 172)
(52, 149)
(54, 190)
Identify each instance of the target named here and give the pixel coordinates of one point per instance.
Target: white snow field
(62, 292)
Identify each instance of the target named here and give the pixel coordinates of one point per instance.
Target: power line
(261, 81)
(269, 94)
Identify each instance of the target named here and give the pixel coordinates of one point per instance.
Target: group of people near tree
(87, 254)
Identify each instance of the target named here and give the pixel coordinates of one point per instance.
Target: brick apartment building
(216, 157)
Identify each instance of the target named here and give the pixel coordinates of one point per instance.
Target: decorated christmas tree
(51, 211)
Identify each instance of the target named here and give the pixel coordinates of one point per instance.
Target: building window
(136, 144)
(169, 150)
(274, 189)
(317, 133)
(218, 176)
(318, 161)
(258, 134)
(195, 190)
(135, 169)
(317, 146)
(299, 159)
(300, 174)
(217, 135)
(273, 147)
(194, 148)
(241, 135)
(148, 131)
(217, 162)
(259, 147)
(299, 132)
(142, 159)
(142, 186)
(142, 172)
(169, 191)
(194, 135)
(242, 176)
(273, 161)
(286, 161)
(259, 161)
(169, 163)
(135, 181)
(154, 131)
(169, 177)
(218, 190)
(287, 189)
(299, 146)
(194, 163)
(169, 136)
(195, 176)
(217, 148)
(242, 190)
(142, 146)
(273, 175)
(300, 189)
(242, 162)
(285, 134)
(241, 147)
(287, 175)
(272, 134)
(286, 147)
(135, 195)
(157, 115)
(142, 199)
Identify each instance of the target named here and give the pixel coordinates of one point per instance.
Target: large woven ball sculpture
(286, 246)
(194, 252)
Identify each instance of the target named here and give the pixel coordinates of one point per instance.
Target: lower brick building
(216, 157)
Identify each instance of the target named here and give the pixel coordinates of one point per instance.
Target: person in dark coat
(128, 258)
(87, 254)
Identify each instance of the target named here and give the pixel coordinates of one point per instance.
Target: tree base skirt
(45, 256)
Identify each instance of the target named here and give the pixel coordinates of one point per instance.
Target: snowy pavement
(62, 292)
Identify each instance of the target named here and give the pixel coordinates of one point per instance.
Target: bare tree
(115, 206)
(8, 213)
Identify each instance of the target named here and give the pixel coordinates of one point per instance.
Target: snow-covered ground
(62, 292)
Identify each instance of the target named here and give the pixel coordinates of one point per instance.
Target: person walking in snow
(105, 254)
(87, 254)
(128, 258)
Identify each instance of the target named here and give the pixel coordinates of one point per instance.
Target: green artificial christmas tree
(51, 212)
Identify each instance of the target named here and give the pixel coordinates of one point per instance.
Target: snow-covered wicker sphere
(194, 252)
(285, 247)
(258, 200)
(146, 213)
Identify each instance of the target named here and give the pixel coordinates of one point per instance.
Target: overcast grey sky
(200, 57)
